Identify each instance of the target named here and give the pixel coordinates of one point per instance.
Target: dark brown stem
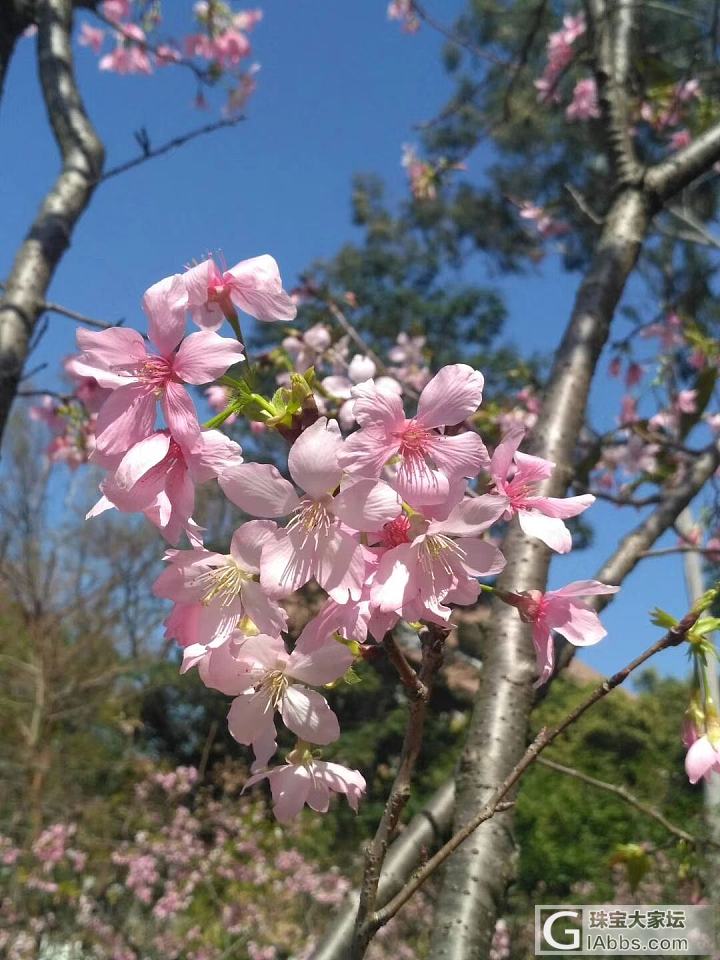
(622, 793)
(418, 687)
(498, 800)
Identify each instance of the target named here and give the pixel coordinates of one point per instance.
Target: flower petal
(365, 505)
(313, 458)
(204, 356)
(258, 489)
(307, 714)
(453, 394)
(165, 303)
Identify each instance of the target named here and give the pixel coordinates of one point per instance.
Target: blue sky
(339, 92)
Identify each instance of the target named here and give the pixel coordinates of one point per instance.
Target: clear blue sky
(339, 91)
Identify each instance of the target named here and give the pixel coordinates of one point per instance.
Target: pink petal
(247, 543)
(366, 452)
(563, 507)
(117, 349)
(545, 651)
(366, 505)
(479, 558)
(313, 458)
(257, 289)
(550, 530)
(394, 579)
(340, 566)
(290, 787)
(320, 666)
(471, 517)
(418, 483)
(180, 415)
(287, 563)
(583, 588)
(258, 489)
(212, 455)
(462, 456)
(700, 759)
(318, 798)
(140, 458)
(165, 303)
(453, 394)
(264, 613)
(505, 451)
(126, 417)
(374, 407)
(204, 356)
(581, 625)
(251, 717)
(306, 713)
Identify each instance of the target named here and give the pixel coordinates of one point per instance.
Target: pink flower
(628, 411)
(118, 359)
(563, 611)
(166, 54)
(702, 759)
(251, 285)
(157, 477)
(680, 139)
(224, 586)
(314, 544)
(428, 562)
(516, 477)
(428, 459)
(669, 331)
(130, 55)
(310, 782)
(262, 677)
(230, 47)
(403, 11)
(116, 10)
(584, 105)
(91, 37)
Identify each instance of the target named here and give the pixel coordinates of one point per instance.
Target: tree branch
(671, 176)
(50, 234)
(497, 801)
(623, 794)
(418, 687)
(151, 153)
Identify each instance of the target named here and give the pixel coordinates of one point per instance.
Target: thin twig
(627, 796)
(454, 38)
(47, 306)
(672, 638)
(669, 551)
(152, 153)
(418, 686)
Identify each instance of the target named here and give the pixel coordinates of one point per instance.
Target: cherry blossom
(314, 544)
(310, 782)
(262, 680)
(516, 476)
(429, 561)
(224, 586)
(563, 611)
(157, 477)
(428, 459)
(119, 360)
(253, 286)
(584, 105)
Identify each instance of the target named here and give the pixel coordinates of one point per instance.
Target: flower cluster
(560, 53)
(389, 520)
(215, 49)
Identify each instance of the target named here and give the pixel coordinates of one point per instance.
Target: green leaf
(662, 619)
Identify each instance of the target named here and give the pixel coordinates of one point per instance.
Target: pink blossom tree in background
(417, 490)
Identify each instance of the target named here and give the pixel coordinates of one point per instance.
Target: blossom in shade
(119, 360)
(262, 680)
(253, 286)
(315, 542)
(310, 782)
(564, 611)
(584, 104)
(516, 476)
(157, 477)
(428, 459)
(224, 586)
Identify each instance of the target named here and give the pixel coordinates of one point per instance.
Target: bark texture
(50, 234)
(477, 876)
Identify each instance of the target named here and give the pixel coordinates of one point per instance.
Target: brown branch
(151, 153)
(50, 234)
(497, 801)
(668, 178)
(418, 687)
(624, 794)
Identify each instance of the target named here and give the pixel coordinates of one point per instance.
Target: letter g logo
(574, 934)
